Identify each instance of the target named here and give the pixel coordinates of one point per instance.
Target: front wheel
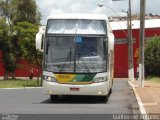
(53, 97)
(110, 91)
(104, 98)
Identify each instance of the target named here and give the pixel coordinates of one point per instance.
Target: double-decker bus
(78, 55)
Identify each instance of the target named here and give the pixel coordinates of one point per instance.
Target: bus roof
(79, 16)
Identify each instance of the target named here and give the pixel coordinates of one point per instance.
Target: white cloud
(48, 7)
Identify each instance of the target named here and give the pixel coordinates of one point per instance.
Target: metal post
(130, 45)
(128, 38)
(141, 42)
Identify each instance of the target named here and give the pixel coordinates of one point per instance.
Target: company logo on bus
(64, 76)
(74, 78)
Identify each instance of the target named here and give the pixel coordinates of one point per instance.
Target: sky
(51, 7)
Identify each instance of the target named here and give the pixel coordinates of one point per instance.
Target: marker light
(50, 79)
(100, 79)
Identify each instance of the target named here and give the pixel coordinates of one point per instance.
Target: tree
(25, 10)
(152, 56)
(7, 47)
(13, 36)
(7, 40)
(26, 37)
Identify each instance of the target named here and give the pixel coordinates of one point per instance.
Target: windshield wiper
(93, 66)
(85, 65)
(61, 69)
(70, 55)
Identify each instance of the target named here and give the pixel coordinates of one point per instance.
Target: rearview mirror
(39, 39)
(111, 41)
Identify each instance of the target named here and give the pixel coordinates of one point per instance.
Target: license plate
(74, 89)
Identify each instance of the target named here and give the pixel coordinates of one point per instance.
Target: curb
(141, 107)
(20, 88)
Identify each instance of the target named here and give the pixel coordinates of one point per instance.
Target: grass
(154, 79)
(18, 83)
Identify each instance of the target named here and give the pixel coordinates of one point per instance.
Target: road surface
(33, 101)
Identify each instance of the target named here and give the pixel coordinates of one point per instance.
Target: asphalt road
(33, 101)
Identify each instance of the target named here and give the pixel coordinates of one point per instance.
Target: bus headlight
(100, 79)
(50, 79)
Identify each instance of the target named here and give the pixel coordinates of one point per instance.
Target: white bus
(78, 55)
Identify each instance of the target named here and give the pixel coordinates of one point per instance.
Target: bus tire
(104, 98)
(53, 97)
(110, 91)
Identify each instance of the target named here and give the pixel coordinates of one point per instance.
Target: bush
(152, 57)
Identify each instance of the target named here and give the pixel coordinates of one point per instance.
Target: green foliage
(152, 57)
(18, 83)
(26, 35)
(2, 26)
(20, 10)
(6, 46)
(154, 79)
(18, 27)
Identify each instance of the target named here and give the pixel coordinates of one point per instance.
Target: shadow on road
(76, 100)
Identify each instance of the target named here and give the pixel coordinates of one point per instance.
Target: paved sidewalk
(149, 95)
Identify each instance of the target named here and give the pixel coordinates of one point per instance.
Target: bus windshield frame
(67, 39)
(75, 54)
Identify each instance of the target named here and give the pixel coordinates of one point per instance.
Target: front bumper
(97, 89)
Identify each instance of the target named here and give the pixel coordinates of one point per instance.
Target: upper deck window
(76, 26)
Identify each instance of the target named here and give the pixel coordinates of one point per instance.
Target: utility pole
(141, 42)
(130, 44)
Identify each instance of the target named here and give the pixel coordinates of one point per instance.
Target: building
(152, 28)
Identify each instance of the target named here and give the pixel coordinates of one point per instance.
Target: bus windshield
(75, 54)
